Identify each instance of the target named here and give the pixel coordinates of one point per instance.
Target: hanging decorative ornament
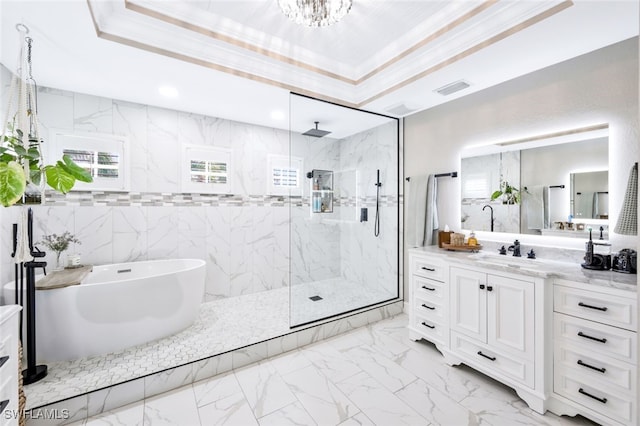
(23, 174)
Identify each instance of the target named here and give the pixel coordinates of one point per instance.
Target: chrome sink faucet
(515, 248)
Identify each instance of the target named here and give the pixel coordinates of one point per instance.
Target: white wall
(599, 87)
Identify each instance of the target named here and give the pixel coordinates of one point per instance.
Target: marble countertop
(543, 268)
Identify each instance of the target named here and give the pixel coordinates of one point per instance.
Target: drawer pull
(586, 336)
(481, 286)
(490, 358)
(428, 288)
(3, 359)
(602, 370)
(584, 305)
(428, 325)
(3, 404)
(428, 307)
(428, 269)
(603, 400)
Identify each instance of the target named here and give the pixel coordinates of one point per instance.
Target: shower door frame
(399, 231)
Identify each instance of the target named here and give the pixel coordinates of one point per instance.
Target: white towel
(422, 216)
(534, 207)
(628, 219)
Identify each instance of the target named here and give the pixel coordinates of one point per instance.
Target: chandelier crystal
(315, 13)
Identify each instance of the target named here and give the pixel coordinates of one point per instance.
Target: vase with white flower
(58, 244)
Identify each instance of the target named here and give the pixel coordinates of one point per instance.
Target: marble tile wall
(244, 237)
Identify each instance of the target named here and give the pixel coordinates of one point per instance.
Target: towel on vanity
(422, 215)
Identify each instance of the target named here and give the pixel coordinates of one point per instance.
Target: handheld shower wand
(376, 224)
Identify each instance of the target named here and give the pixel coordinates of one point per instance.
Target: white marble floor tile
(291, 415)
(233, 410)
(216, 388)
(435, 406)
(289, 362)
(129, 415)
(378, 403)
(176, 407)
(320, 397)
(359, 419)
(264, 388)
(331, 362)
(391, 375)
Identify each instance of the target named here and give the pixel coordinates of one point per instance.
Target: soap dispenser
(472, 241)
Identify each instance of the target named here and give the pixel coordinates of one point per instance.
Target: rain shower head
(316, 133)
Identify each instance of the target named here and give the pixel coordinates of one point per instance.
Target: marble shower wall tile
(130, 119)
(163, 150)
(92, 113)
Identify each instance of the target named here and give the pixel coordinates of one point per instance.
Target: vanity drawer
(593, 367)
(428, 268)
(596, 338)
(619, 406)
(605, 308)
(428, 309)
(431, 330)
(428, 289)
(480, 355)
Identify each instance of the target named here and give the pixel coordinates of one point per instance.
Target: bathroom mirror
(590, 195)
(531, 186)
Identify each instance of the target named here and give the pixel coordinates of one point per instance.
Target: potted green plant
(510, 194)
(58, 244)
(21, 163)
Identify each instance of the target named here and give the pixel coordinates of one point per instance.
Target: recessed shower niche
(321, 191)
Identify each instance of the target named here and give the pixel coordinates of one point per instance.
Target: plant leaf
(496, 194)
(74, 170)
(19, 149)
(12, 183)
(58, 178)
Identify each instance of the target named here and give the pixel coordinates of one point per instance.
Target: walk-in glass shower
(344, 210)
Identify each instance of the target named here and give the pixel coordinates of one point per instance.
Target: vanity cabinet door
(469, 303)
(510, 315)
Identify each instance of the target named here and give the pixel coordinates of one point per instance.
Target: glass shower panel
(338, 264)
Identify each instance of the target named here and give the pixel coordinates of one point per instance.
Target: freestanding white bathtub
(115, 307)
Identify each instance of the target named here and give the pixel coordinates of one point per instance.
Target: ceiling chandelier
(315, 13)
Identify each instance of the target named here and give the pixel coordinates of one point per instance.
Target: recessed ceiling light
(277, 115)
(168, 91)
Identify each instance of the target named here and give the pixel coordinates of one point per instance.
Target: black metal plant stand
(33, 372)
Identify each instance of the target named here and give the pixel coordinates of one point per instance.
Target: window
(206, 170)
(103, 156)
(284, 175)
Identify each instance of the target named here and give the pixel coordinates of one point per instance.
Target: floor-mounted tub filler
(115, 307)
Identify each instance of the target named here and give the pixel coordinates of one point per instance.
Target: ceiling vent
(452, 87)
(400, 110)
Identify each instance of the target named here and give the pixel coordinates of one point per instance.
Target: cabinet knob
(481, 286)
(489, 288)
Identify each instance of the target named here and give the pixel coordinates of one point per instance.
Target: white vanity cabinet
(595, 352)
(493, 322)
(429, 313)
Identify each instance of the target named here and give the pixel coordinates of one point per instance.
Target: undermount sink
(510, 261)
